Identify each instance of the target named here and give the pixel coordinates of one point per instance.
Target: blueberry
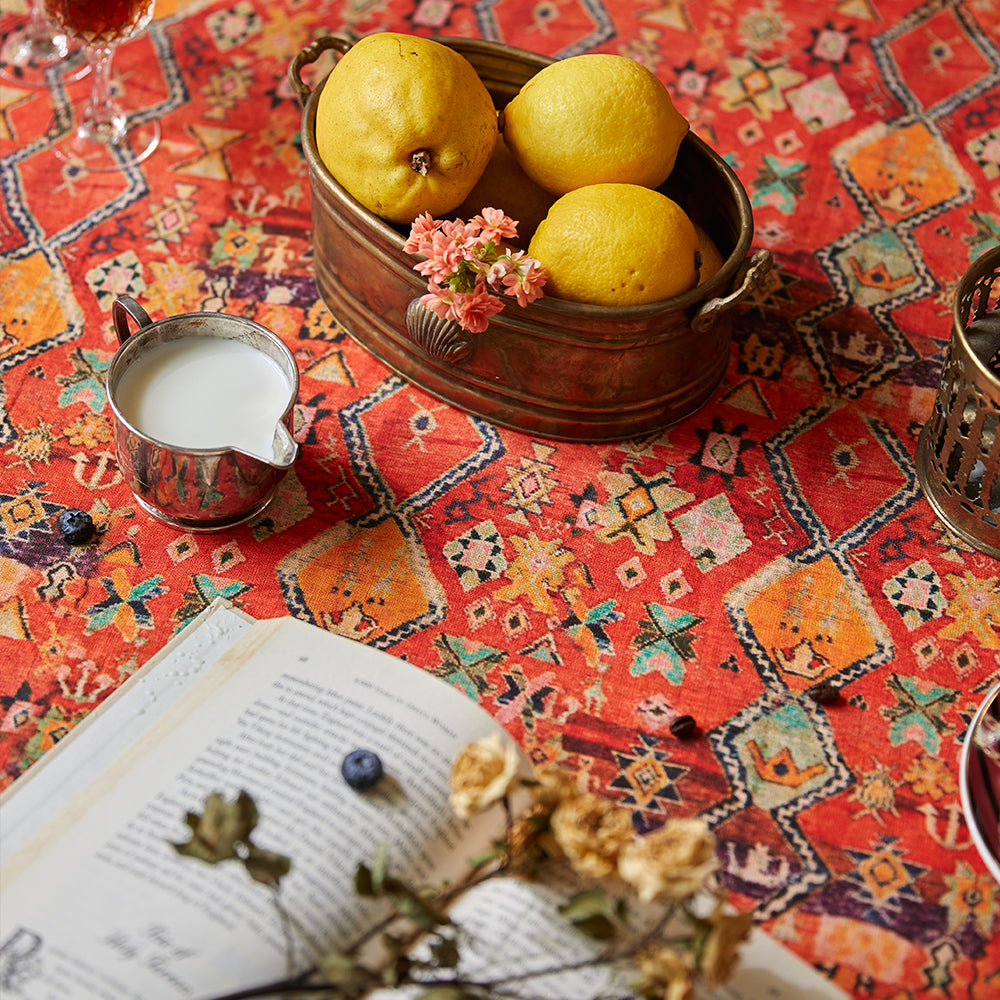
(823, 693)
(684, 727)
(75, 526)
(361, 769)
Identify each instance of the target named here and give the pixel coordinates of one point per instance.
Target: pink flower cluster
(468, 269)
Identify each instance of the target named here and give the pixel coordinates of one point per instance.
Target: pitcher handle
(123, 308)
(312, 52)
(755, 270)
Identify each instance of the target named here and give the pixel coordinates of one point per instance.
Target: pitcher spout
(285, 449)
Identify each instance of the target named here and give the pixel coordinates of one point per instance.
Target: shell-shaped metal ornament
(443, 339)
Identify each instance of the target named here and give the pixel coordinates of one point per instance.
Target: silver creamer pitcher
(197, 489)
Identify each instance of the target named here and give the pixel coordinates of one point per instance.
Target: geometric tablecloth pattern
(584, 593)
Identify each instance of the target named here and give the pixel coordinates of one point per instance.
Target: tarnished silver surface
(203, 489)
(557, 369)
(958, 454)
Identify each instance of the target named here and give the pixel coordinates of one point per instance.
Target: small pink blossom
(468, 270)
(494, 225)
(420, 233)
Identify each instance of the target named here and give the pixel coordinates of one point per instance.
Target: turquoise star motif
(918, 711)
(594, 620)
(206, 589)
(664, 642)
(465, 665)
(106, 612)
(778, 184)
(86, 383)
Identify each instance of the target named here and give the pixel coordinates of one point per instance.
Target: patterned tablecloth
(584, 593)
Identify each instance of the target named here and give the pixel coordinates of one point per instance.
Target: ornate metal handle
(312, 52)
(124, 307)
(754, 272)
(443, 339)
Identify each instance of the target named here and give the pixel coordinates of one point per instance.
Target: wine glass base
(24, 58)
(99, 154)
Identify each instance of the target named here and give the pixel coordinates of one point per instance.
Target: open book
(96, 902)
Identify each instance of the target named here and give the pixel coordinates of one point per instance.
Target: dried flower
(719, 954)
(665, 974)
(481, 774)
(672, 862)
(468, 269)
(553, 786)
(591, 831)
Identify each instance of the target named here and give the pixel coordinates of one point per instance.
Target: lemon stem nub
(420, 161)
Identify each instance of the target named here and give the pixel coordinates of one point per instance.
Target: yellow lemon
(711, 256)
(616, 245)
(594, 119)
(405, 125)
(506, 186)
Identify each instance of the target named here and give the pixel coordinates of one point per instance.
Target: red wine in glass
(104, 138)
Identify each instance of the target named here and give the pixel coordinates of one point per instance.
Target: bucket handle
(312, 52)
(123, 308)
(754, 272)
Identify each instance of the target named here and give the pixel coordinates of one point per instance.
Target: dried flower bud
(553, 786)
(591, 831)
(670, 863)
(665, 974)
(719, 954)
(481, 775)
(529, 841)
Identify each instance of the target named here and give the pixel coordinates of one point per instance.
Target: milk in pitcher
(205, 392)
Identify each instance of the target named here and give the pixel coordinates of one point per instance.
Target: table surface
(585, 594)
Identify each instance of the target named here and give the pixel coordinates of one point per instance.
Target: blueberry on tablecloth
(823, 693)
(684, 727)
(362, 769)
(75, 526)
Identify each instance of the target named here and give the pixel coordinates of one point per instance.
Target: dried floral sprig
(637, 894)
(469, 269)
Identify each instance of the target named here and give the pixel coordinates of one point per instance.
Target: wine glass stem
(103, 118)
(38, 29)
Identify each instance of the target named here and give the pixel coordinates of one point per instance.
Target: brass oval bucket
(556, 369)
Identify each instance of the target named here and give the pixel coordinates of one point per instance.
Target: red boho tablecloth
(584, 593)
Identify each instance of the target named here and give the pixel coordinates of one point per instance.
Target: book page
(514, 938)
(93, 744)
(101, 905)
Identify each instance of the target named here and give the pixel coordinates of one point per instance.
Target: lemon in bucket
(405, 125)
(592, 119)
(617, 245)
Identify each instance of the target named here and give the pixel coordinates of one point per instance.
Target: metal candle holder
(958, 454)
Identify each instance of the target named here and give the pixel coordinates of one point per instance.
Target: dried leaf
(445, 953)
(364, 884)
(380, 866)
(343, 970)
(445, 992)
(267, 866)
(421, 913)
(592, 913)
(220, 829)
(485, 857)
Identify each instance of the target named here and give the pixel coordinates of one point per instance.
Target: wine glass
(32, 47)
(103, 136)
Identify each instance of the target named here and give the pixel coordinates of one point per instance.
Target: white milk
(205, 392)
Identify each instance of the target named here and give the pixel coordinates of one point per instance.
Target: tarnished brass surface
(958, 454)
(556, 369)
